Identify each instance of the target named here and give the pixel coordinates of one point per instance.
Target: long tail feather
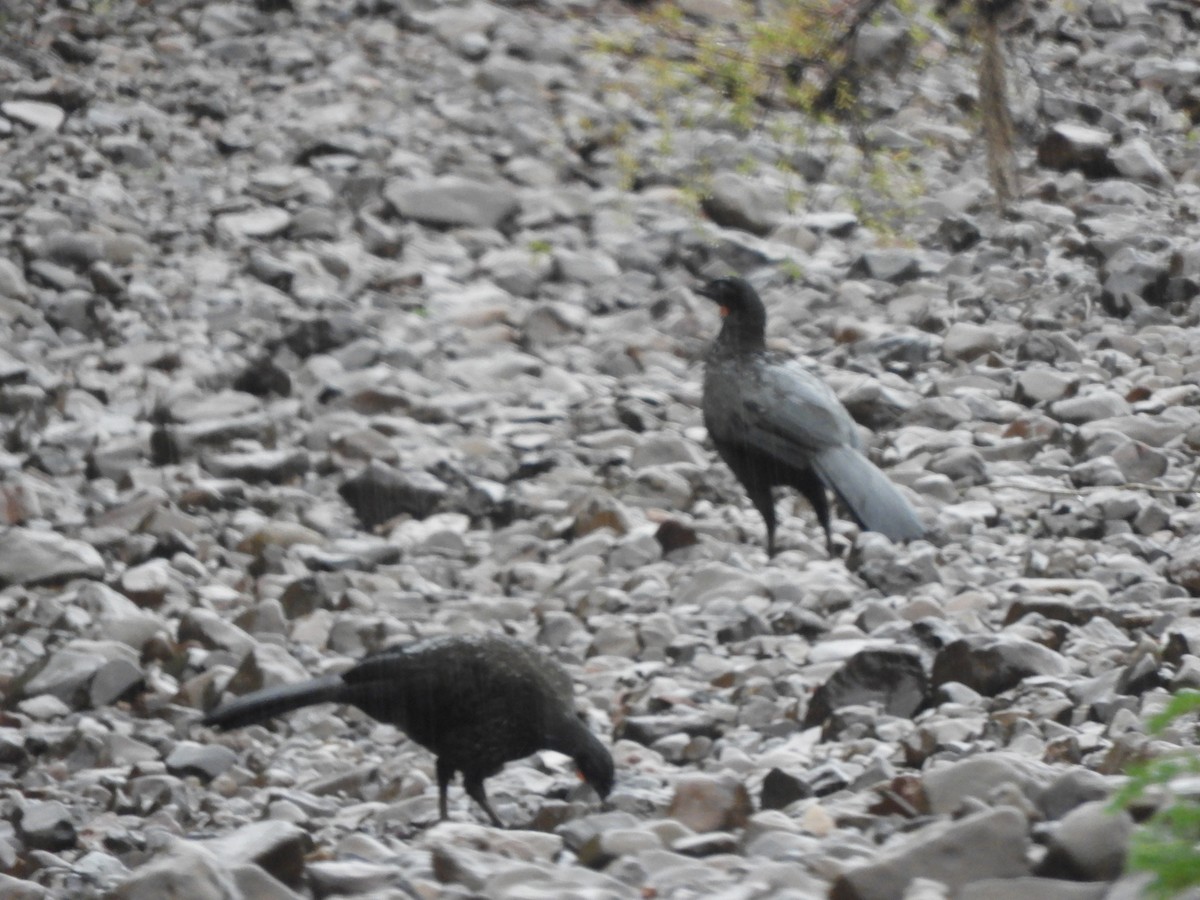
(871, 498)
(271, 702)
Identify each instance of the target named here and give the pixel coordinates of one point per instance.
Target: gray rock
(736, 201)
(1090, 843)
(266, 665)
(205, 761)
(379, 493)
(838, 224)
(453, 201)
(1070, 790)
(278, 847)
(1133, 278)
(332, 878)
(21, 889)
(705, 804)
(34, 114)
(1135, 159)
(47, 825)
(65, 674)
(184, 871)
(1139, 462)
(1023, 888)
(950, 788)
(254, 882)
(894, 266)
(113, 680)
(29, 556)
(967, 341)
(212, 630)
(1154, 431)
(1072, 146)
(520, 271)
(12, 280)
(892, 678)
(1090, 407)
(584, 268)
(261, 223)
(274, 466)
(147, 584)
(992, 664)
(1042, 385)
(989, 844)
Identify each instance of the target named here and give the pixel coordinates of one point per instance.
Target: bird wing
(789, 413)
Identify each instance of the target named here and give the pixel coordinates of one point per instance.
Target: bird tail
(274, 701)
(871, 498)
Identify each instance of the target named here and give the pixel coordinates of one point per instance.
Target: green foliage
(786, 76)
(1168, 843)
(792, 270)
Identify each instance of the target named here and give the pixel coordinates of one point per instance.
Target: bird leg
(445, 774)
(765, 504)
(477, 792)
(814, 492)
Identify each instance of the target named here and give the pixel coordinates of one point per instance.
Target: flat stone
(278, 847)
(1089, 844)
(892, 678)
(329, 878)
(47, 825)
(273, 466)
(185, 871)
(967, 341)
(29, 556)
(1090, 407)
(990, 844)
(1030, 887)
(204, 760)
(1073, 146)
(736, 201)
(453, 201)
(264, 222)
(1042, 385)
(992, 664)
(705, 804)
(147, 584)
(947, 788)
(35, 114)
(380, 492)
(65, 674)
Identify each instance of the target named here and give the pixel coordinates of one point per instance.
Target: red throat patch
(724, 311)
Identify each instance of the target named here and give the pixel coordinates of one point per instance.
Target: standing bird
(476, 702)
(776, 424)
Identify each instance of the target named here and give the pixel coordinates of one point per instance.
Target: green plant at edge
(1168, 843)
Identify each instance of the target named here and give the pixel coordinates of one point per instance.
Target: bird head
(595, 765)
(744, 314)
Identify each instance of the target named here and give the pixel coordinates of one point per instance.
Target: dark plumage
(776, 424)
(476, 702)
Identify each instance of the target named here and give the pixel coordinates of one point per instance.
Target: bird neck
(568, 736)
(743, 333)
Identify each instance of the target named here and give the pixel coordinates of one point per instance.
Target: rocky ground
(325, 326)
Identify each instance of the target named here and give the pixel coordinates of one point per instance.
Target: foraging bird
(776, 424)
(476, 702)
